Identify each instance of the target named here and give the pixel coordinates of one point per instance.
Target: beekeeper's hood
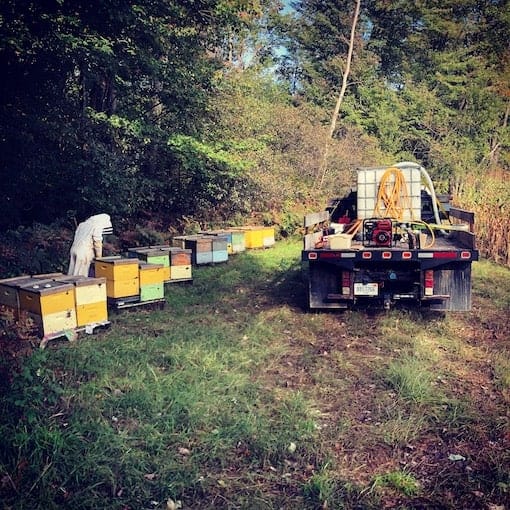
(101, 222)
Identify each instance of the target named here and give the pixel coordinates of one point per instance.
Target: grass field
(235, 397)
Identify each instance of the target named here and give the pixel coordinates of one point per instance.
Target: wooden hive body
(122, 276)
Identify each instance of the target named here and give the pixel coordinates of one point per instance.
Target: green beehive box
(152, 292)
(150, 255)
(238, 240)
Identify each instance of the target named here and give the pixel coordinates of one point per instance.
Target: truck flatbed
(435, 272)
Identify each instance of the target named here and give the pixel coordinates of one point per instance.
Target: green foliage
(401, 481)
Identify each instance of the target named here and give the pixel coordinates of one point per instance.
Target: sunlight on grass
(233, 394)
(492, 281)
(412, 380)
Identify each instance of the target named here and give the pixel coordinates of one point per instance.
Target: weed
(320, 487)
(402, 429)
(412, 379)
(401, 481)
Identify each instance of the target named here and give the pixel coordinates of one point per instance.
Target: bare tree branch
(334, 117)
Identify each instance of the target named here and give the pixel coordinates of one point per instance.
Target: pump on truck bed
(391, 240)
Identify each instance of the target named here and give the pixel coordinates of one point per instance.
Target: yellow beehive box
(90, 291)
(122, 288)
(46, 297)
(268, 239)
(86, 290)
(253, 237)
(54, 322)
(180, 272)
(92, 313)
(150, 274)
(116, 268)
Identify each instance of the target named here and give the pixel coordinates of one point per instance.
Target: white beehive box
(369, 181)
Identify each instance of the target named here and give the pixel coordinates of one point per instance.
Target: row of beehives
(212, 246)
(56, 303)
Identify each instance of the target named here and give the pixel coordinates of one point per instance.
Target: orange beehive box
(178, 256)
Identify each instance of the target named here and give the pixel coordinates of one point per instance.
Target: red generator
(378, 232)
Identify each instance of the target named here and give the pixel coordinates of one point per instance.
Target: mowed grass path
(234, 396)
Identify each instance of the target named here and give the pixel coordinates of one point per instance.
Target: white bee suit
(88, 243)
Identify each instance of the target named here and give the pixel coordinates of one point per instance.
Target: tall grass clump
(412, 379)
(489, 199)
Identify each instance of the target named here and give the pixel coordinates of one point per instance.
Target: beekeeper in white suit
(88, 243)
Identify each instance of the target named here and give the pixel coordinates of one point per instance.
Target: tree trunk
(334, 117)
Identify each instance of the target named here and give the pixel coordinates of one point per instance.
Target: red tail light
(346, 283)
(428, 278)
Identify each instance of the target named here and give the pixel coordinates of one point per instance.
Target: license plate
(366, 289)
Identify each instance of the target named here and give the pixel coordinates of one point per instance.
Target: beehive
(153, 255)
(268, 238)
(181, 272)
(150, 255)
(152, 292)
(50, 304)
(180, 262)
(122, 279)
(219, 246)
(258, 236)
(90, 297)
(201, 249)
(9, 291)
(150, 274)
(179, 257)
(224, 234)
(238, 240)
(152, 278)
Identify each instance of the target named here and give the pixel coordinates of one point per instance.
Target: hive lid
(16, 281)
(117, 260)
(82, 281)
(145, 251)
(175, 249)
(146, 267)
(47, 287)
(48, 276)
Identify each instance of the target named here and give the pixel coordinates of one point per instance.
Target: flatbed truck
(397, 244)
